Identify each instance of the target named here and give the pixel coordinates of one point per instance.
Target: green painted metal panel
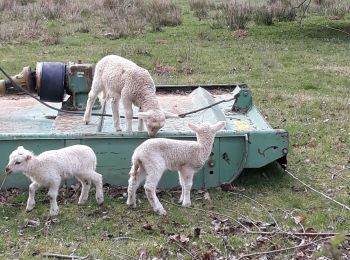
(248, 141)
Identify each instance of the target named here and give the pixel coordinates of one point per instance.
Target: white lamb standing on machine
(49, 168)
(121, 79)
(154, 156)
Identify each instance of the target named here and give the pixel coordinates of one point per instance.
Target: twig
(307, 7)
(309, 234)
(125, 238)
(262, 206)
(209, 211)
(128, 256)
(282, 249)
(3, 181)
(53, 255)
(296, 7)
(187, 251)
(339, 172)
(336, 29)
(324, 195)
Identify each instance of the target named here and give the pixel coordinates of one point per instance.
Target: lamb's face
(154, 122)
(18, 160)
(206, 129)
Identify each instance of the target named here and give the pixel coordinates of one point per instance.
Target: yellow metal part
(22, 79)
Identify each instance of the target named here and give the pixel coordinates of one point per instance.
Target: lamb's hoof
(131, 204)
(99, 201)
(86, 121)
(161, 212)
(54, 213)
(29, 209)
(186, 205)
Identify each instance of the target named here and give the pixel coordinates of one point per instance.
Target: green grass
(299, 76)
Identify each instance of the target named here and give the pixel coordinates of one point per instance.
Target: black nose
(7, 169)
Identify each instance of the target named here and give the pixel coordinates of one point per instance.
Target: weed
(200, 8)
(237, 14)
(159, 13)
(263, 15)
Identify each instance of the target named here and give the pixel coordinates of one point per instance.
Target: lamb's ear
(193, 127)
(20, 148)
(28, 157)
(143, 115)
(218, 126)
(170, 115)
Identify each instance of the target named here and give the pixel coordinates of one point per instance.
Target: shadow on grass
(271, 177)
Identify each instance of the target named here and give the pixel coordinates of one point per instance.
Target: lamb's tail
(136, 167)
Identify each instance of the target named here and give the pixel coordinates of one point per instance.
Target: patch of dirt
(240, 33)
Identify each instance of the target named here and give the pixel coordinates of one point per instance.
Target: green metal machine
(248, 141)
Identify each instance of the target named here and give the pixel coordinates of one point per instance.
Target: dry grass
(25, 20)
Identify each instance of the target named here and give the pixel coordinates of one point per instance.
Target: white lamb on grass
(49, 168)
(154, 156)
(120, 79)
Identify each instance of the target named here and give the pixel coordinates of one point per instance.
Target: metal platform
(247, 141)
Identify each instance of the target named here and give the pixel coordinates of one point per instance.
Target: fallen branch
(282, 249)
(324, 195)
(308, 234)
(340, 171)
(336, 29)
(209, 211)
(187, 251)
(262, 206)
(53, 255)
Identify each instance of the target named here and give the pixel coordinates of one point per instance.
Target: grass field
(300, 79)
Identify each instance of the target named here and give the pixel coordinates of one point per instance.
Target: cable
(99, 114)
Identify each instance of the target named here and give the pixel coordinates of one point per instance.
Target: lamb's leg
(136, 177)
(128, 112)
(115, 112)
(33, 187)
(95, 90)
(140, 124)
(187, 179)
(97, 180)
(182, 187)
(53, 192)
(85, 188)
(152, 180)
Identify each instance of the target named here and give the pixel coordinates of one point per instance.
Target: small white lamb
(121, 79)
(49, 168)
(154, 156)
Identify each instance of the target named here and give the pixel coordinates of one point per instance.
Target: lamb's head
(206, 130)
(18, 160)
(155, 120)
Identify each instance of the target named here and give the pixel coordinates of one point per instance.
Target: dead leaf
(299, 219)
(207, 196)
(229, 187)
(142, 254)
(180, 238)
(240, 34)
(147, 226)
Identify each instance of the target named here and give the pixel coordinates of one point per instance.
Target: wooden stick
(46, 254)
(209, 211)
(281, 250)
(309, 234)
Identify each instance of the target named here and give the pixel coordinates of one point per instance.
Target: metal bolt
(284, 150)
(211, 164)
